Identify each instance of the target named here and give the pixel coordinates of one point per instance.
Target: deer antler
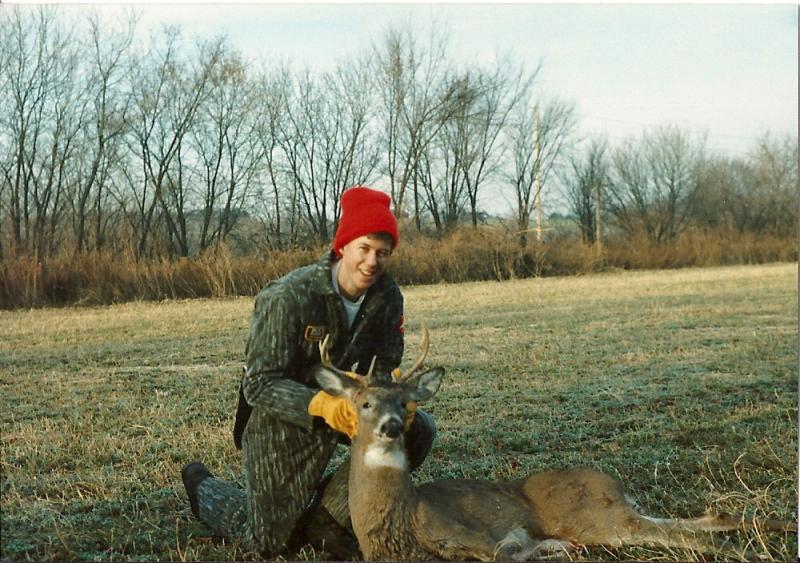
(420, 358)
(325, 360)
(371, 368)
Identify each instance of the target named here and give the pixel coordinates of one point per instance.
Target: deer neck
(380, 470)
(382, 498)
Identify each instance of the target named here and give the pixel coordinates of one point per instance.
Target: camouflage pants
(283, 465)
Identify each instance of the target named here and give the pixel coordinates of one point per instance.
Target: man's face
(363, 261)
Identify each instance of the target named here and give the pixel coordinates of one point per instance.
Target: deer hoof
(551, 549)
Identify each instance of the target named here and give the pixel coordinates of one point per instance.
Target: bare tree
(325, 140)
(6, 119)
(440, 174)
(654, 183)
(584, 182)
(23, 88)
(40, 118)
(755, 193)
(352, 153)
(536, 152)
(427, 188)
(62, 124)
(167, 94)
(774, 190)
(721, 181)
(107, 116)
(497, 93)
(467, 149)
(302, 143)
(226, 148)
(278, 209)
(418, 96)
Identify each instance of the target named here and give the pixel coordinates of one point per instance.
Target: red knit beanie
(364, 211)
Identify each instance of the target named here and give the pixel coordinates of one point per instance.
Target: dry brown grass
(104, 278)
(699, 247)
(466, 254)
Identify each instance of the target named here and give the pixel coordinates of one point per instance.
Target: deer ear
(335, 384)
(427, 384)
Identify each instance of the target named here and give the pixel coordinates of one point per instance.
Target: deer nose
(392, 428)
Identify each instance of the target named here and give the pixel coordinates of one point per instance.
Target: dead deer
(548, 513)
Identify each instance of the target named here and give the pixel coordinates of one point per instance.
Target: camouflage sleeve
(271, 347)
(390, 347)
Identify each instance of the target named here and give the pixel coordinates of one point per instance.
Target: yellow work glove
(337, 412)
(411, 406)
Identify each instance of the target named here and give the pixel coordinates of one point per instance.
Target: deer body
(394, 520)
(520, 519)
(549, 512)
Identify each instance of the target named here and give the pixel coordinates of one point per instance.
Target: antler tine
(426, 341)
(325, 359)
(368, 377)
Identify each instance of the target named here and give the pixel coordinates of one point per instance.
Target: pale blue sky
(730, 70)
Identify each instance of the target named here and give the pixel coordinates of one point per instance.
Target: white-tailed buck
(544, 513)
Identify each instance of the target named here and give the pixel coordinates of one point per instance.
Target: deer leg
(517, 545)
(561, 548)
(667, 532)
(689, 533)
(723, 522)
(693, 533)
(444, 535)
(460, 543)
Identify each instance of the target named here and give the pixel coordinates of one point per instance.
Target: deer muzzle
(391, 428)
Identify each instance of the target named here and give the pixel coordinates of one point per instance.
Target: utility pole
(537, 179)
(597, 238)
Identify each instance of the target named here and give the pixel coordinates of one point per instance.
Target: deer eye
(366, 406)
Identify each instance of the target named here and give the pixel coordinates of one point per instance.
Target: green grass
(682, 383)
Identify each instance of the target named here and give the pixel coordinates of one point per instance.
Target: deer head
(381, 408)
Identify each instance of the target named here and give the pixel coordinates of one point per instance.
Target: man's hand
(337, 412)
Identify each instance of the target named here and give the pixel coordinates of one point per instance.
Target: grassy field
(682, 383)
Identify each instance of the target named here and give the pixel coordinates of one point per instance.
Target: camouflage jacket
(292, 315)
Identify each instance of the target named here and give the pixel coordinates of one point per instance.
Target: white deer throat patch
(378, 455)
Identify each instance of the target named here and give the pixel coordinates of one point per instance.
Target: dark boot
(320, 530)
(193, 474)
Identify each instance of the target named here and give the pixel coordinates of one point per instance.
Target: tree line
(164, 146)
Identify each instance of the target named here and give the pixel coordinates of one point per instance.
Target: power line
(652, 125)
